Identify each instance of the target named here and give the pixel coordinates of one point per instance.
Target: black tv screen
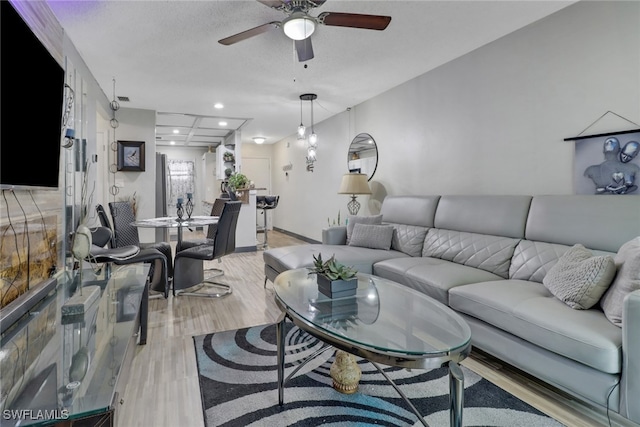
(32, 88)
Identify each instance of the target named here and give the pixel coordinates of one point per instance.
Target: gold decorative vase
(345, 373)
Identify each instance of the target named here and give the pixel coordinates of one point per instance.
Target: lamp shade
(354, 183)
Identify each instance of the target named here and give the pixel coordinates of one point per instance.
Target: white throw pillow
(627, 280)
(579, 279)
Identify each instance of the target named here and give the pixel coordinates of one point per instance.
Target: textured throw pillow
(372, 236)
(352, 220)
(579, 279)
(627, 280)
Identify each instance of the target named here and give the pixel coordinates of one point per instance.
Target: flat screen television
(32, 85)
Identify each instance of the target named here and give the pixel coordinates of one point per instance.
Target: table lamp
(354, 184)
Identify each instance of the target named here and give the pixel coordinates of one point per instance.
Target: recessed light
(176, 131)
(218, 105)
(222, 123)
(172, 143)
(259, 139)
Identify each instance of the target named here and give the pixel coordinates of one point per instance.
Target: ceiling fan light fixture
(299, 26)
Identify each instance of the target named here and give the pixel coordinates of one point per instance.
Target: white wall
(139, 125)
(490, 122)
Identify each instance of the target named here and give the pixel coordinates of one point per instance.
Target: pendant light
(313, 138)
(302, 130)
(312, 142)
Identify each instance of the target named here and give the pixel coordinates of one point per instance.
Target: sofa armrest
(630, 381)
(334, 235)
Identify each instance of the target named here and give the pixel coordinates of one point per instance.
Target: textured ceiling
(165, 56)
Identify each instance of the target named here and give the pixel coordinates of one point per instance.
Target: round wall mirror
(363, 155)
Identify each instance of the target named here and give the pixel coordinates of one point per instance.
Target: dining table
(179, 224)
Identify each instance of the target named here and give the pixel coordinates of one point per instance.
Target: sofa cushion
(292, 257)
(579, 279)
(487, 252)
(626, 281)
(408, 239)
(352, 220)
(410, 210)
(483, 214)
(431, 276)
(533, 260)
(529, 311)
(372, 236)
(603, 222)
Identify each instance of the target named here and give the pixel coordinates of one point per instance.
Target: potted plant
(238, 181)
(334, 279)
(335, 223)
(228, 156)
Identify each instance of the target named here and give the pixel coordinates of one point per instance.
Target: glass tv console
(65, 362)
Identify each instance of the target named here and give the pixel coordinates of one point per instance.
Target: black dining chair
(189, 263)
(129, 254)
(124, 233)
(216, 210)
(104, 221)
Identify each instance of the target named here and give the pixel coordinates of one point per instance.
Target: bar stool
(266, 203)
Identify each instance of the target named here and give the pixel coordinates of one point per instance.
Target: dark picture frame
(131, 156)
(129, 299)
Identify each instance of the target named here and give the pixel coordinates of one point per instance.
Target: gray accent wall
(490, 122)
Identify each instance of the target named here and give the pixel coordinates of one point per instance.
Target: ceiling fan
(299, 25)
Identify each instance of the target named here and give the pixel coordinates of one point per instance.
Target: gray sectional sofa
(486, 257)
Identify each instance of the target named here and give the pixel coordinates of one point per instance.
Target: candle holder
(179, 209)
(189, 206)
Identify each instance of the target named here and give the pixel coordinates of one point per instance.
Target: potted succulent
(334, 279)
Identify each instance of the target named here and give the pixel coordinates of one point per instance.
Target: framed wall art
(608, 163)
(131, 156)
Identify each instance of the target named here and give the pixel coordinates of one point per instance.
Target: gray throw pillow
(627, 280)
(372, 236)
(579, 279)
(352, 220)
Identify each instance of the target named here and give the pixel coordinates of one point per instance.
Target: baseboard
(297, 236)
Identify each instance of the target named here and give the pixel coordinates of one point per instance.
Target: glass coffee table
(384, 322)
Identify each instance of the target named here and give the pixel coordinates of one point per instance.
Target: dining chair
(189, 263)
(128, 254)
(104, 221)
(125, 233)
(216, 210)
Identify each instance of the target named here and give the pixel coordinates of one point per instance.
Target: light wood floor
(162, 388)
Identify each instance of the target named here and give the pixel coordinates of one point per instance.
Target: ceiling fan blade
(249, 33)
(304, 49)
(355, 20)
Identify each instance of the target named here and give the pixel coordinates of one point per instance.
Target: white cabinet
(210, 184)
(223, 163)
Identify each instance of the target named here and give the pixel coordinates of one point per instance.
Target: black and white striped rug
(237, 374)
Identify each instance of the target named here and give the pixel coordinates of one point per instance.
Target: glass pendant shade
(298, 26)
(301, 131)
(311, 153)
(313, 139)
